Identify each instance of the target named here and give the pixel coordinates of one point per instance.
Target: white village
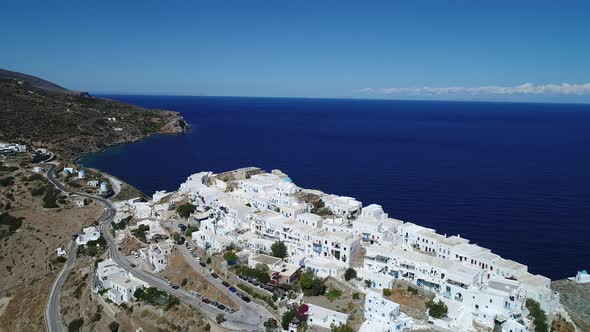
(248, 211)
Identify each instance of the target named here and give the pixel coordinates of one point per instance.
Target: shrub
(412, 290)
(279, 249)
(185, 210)
(260, 274)
(386, 292)
(140, 231)
(75, 325)
(437, 309)
(230, 257)
(114, 326)
(61, 259)
(311, 285)
(356, 296)
(350, 273)
(184, 282)
(286, 319)
(190, 229)
(538, 315)
(7, 181)
(333, 294)
(208, 327)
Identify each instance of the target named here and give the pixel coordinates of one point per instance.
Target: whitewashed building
(88, 234)
(382, 315)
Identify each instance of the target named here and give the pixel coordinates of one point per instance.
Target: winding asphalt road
(242, 320)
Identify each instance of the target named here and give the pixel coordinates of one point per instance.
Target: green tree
(185, 210)
(437, 309)
(279, 249)
(350, 273)
(386, 292)
(538, 315)
(176, 236)
(230, 257)
(286, 319)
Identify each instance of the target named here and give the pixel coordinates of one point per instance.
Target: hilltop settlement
(288, 243)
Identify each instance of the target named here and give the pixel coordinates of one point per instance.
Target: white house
(92, 183)
(323, 317)
(382, 315)
(157, 254)
(60, 252)
(120, 284)
(582, 277)
(88, 234)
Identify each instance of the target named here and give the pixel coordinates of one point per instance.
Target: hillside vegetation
(72, 123)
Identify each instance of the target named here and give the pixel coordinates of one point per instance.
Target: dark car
(232, 289)
(206, 300)
(214, 303)
(241, 276)
(225, 284)
(202, 264)
(221, 307)
(246, 299)
(175, 286)
(214, 275)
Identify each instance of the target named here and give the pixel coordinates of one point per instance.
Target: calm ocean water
(511, 177)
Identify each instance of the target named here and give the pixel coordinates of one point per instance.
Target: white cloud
(523, 89)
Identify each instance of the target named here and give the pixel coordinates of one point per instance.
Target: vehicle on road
(214, 275)
(206, 300)
(202, 264)
(175, 286)
(133, 265)
(246, 299)
(214, 303)
(225, 284)
(232, 289)
(221, 307)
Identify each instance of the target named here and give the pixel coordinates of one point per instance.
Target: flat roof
(266, 259)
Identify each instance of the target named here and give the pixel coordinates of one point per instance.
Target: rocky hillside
(72, 123)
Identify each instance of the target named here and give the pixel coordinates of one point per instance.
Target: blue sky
(363, 49)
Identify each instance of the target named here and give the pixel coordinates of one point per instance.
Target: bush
(333, 294)
(185, 210)
(140, 231)
(437, 309)
(286, 319)
(75, 325)
(12, 222)
(114, 326)
(412, 290)
(386, 292)
(230, 257)
(260, 274)
(184, 282)
(350, 273)
(538, 315)
(279, 249)
(356, 296)
(311, 285)
(50, 198)
(208, 327)
(7, 181)
(61, 259)
(190, 229)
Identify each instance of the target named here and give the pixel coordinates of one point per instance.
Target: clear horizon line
(376, 98)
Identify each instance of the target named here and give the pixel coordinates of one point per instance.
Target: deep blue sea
(513, 177)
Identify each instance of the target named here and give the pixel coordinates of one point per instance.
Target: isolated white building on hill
(120, 284)
(88, 234)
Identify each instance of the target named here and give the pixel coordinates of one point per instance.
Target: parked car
(202, 264)
(214, 275)
(206, 300)
(246, 299)
(214, 303)
(221, 307)
(232, 289)
(175, 286)
(133, 265)
(225, 283)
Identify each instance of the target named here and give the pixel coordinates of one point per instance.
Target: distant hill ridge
(37, 82)
(71, 123)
